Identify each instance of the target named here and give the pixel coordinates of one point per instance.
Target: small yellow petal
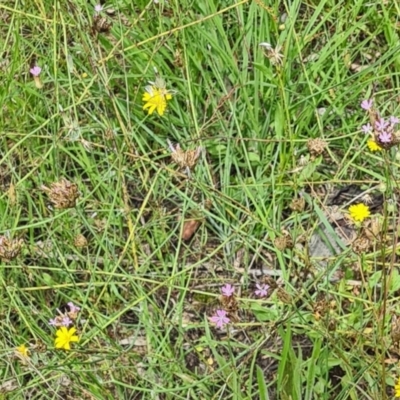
(373, 146)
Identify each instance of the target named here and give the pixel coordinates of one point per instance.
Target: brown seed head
(298, 204)
(185, 159)
(283, 242)
(316, 146)
(80, 241)
(10, 248)
(361, 245)
(62, 194)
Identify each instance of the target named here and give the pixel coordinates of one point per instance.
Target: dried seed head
(395, 329)
(283, 296)
(10, 248)
(273, 54)
(361, 245)
(316, 146)
(101, 24)
(62, 194)
(80, 241)
(283, 242)
(185, 159)
(298, 204)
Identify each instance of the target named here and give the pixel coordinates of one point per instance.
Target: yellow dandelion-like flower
(64, 337)
(373, 146)
(358, 212)
(397, 388)
(156, 96)
(22, 351)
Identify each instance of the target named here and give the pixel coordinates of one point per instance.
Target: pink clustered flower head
(383, 129)
(220, 319)
(67, 318)
(227, 290)
(36, 70)
(262, 290)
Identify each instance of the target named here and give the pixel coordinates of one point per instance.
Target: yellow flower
(63, 338)
(156, 96)
(373, 146)
(358, 212)
(22, 351)
(397, 388)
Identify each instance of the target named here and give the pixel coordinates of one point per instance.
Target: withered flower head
(316, 146)
(80, 241)
(283, 242)
(185, 159)
(297, 204)
(10, 248)
(273, 54)
(361, 245)
(63, 194)
(101, 24)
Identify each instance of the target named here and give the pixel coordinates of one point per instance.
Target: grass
(326, 330)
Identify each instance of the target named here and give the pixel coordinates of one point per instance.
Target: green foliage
(146, 292)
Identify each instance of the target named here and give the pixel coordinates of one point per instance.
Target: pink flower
(394, 120)
(366, 104)
(35, 71)
(381, 124)
(262, 290)
(220, 319)
(66, 321)
(53, 322)
(98, 8)
(227, 290)
(72, 307)
(367, 128)
(385, 137)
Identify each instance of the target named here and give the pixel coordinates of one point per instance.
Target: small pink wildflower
(66, 321)
(367, 128)
(53, 322)
(381, 124)
(385, 137)
(227, 290)
(220, 319)
(262, 290)
(366, 104)
(72, 307)
(36, 70)
(98, 8)
(394, 120)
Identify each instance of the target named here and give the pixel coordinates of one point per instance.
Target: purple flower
(381, 124)
(394, 120)
(367, 128)
(262, 290)
(98, 8)
(227, 290)
(385, 137)
(366, 104)
(53, 322)
(66, 321)
(220, 319)
(35, 71)
(73, 308)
